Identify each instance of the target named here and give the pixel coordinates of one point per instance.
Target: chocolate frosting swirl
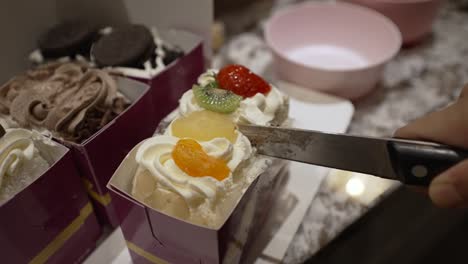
(68, 99)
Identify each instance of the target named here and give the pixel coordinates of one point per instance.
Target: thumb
(450, 189)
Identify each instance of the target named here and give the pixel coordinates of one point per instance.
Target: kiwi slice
(213, 84)
(215, 99)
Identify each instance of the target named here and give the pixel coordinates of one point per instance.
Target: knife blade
(408, 161)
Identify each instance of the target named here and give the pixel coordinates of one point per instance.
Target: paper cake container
(99, 156)
(165, 89)
(152, 236)
(51, 220)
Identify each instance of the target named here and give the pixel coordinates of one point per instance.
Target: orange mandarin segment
(190, 157)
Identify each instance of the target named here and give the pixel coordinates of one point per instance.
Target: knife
(408, 161)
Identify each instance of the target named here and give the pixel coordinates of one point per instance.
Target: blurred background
(382, 223)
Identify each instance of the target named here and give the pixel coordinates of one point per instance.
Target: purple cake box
(51, 220)
(168, 85)
(99, 156)
(153, 236)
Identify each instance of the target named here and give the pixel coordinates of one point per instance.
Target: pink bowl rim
(291, 9)
(402, 2)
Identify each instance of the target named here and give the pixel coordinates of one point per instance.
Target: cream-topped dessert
(21, 161)
(260, 109)
(200, 166)
(131, 50)
(164, 53)
(69, 100)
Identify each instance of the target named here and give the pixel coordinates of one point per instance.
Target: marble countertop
(420, 79)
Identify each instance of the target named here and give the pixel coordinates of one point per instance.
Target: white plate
(309, 110)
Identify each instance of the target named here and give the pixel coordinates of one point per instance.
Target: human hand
(448, 126)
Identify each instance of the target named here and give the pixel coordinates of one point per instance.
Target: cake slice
(200, 165)
(69, 100)
(132, 50)
(261, 103)
(21, 162)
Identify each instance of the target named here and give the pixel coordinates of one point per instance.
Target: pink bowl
(338, 48)
(414, 18)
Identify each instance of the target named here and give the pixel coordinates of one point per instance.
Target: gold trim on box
(145, 254)
(63, 236)
(104, 200)
(153, 259)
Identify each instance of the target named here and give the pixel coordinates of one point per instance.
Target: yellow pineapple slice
(204, 126)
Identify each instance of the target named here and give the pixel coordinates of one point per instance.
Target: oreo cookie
(67, 39)
(171, 55)
(128, 46)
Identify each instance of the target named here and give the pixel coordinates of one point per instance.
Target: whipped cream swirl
(155, 155)
(69, 99)
(16, 149)
(260, 109)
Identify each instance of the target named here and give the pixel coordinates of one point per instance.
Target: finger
(450, 189)
(464, 92)
(448, 126)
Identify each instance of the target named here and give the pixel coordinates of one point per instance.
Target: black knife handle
(418, 164)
